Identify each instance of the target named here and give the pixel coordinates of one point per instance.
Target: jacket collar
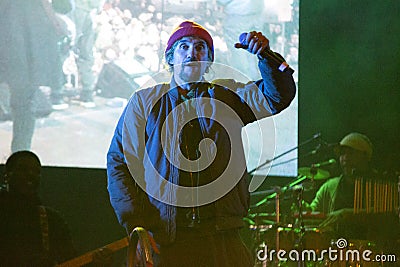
(200, 88)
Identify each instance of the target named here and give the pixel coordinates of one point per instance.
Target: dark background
(349, 81)
(349, 74)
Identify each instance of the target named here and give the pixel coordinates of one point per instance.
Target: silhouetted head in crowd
(22, 174)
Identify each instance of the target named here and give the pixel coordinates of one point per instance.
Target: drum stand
(299, 240)
(278, 216)
(298, 244)
(398, 189)
(265, 263)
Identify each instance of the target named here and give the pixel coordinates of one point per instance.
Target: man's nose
(191, 53)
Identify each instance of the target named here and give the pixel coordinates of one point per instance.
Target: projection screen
(129, 50)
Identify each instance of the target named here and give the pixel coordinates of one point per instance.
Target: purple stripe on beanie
(190, 28)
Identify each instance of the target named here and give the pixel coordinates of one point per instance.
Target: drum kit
(274, 231)
(289, 234)
(296, 233)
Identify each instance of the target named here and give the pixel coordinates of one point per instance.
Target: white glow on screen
(131, 38)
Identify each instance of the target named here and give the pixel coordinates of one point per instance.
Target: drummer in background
(335, 198)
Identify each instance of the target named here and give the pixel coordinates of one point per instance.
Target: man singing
(176, 164)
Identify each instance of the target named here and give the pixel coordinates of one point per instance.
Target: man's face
(190, 60)
(352, 160)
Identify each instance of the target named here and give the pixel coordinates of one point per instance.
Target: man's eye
(200, 47)
(184, 46)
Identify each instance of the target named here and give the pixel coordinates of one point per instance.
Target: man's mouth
(191, 64)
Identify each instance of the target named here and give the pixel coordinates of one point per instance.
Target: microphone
(266, 53)
(316, 150)
(322, 164)
(317, 135)
(322, 147)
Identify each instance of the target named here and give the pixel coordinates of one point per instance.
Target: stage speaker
(113, 82)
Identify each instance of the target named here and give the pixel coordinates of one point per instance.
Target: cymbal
(314, 173)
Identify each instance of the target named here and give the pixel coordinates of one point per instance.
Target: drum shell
(288, 238)
(360, 246)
